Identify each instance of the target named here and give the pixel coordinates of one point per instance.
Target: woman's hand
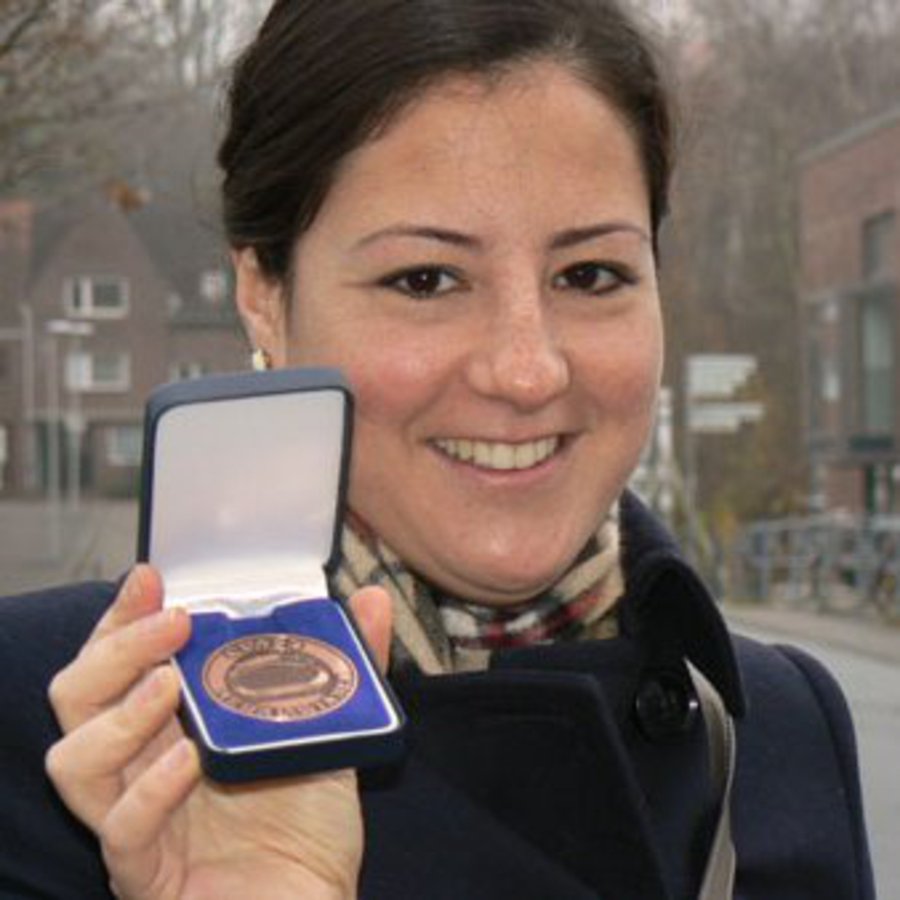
(125, 768)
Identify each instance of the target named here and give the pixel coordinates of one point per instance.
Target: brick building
(850, 268)
(111, 297)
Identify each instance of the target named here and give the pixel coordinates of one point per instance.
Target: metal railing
(835, 563)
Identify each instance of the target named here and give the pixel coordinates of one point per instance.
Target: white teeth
(526, 455)
(503, 456)
(500, 456)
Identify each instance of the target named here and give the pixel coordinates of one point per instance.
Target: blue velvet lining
(364, 713)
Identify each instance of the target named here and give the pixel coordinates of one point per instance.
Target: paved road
(97, 540)
(872, 686)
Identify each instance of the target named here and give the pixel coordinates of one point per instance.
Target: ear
(262, 305)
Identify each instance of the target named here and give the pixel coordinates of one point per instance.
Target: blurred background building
(849, 204)
(104, 297)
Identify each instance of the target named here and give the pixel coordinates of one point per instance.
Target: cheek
(623, 375)
(392, 383)
(394, 393)
(396, 380)
(386, 367)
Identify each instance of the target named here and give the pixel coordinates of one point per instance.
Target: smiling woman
(457, 203)
(466, 273)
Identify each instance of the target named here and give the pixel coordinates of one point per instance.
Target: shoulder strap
(718, 877)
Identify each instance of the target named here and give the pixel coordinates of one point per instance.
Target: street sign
(718, 375)
(722, 418)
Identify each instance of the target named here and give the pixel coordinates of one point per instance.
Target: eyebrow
(568, 238)
(427, 232)
(571, 237)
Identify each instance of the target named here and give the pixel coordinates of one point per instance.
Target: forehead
(471, 144)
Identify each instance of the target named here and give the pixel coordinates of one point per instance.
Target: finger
(87, 766)
(106, 669)
(140, 595)
(134, 825)
(371, 608)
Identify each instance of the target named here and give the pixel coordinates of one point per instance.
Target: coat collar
(668, 607)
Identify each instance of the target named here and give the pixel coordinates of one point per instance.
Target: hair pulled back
(322, 76)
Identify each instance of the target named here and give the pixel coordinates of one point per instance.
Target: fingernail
(158, 621)
(140, 589)
(178, 755)
(151, 688)
(128, 591)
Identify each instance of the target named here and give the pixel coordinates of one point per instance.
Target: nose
(519, 358)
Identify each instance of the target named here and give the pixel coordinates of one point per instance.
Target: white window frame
(878, 240)
(183, 371)
(81, 373)
(85, 284)
(117, 452)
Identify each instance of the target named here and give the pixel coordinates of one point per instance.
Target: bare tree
(80, 79)
(41, 45)
(764, 81)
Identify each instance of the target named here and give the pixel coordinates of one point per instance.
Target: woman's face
(483, 274)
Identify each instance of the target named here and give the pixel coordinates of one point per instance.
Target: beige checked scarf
(441, 634)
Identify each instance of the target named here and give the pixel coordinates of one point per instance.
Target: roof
(181, 245)
(49, 225)
(852, 135)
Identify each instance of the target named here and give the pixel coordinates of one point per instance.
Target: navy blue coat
(542, 778)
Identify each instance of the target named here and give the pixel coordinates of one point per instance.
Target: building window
(96, 297)
(877, 358)
(878, 242)
(98, 372)
(214, 286)
(124, 445)
(181, 371)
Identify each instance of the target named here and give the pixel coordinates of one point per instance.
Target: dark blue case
(243, 488)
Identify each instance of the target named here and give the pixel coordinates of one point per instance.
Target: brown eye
(422, 283)
(591, 278)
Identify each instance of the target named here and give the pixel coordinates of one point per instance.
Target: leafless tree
(76, 76)
(763, 81)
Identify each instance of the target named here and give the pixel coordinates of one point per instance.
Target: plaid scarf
(437, 633)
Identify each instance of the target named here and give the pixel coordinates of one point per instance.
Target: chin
(509, 585)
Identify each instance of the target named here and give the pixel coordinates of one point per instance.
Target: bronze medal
(280, 677)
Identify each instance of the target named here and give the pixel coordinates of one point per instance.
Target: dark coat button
(666, 704)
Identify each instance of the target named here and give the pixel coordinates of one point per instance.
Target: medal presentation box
(243, 486)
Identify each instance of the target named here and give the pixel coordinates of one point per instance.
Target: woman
(457, 203)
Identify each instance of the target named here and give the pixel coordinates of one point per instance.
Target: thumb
(371, 607)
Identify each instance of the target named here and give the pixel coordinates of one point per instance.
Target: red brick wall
(842, 184)
(839, 190)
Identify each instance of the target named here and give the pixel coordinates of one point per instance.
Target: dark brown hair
(323, 75)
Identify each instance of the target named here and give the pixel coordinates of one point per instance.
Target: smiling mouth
(498, 455)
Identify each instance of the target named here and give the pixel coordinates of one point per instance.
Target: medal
(280, 677)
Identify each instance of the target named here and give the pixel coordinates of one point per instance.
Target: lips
(499, 455)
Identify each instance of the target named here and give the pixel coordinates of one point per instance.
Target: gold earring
(260, 361)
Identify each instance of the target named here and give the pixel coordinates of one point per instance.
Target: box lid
(244, 481)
